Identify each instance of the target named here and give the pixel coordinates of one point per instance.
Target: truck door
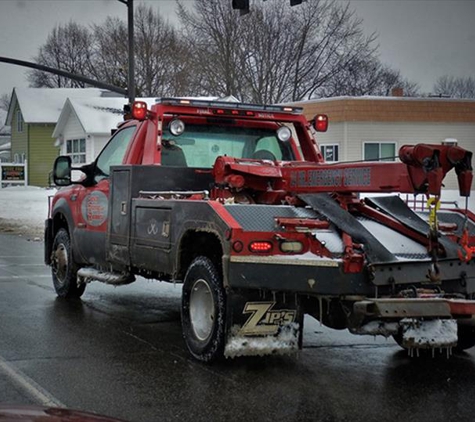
(93, 201)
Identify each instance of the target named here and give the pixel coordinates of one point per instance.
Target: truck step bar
(88, 274)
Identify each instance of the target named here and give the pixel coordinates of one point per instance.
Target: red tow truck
(236, 202)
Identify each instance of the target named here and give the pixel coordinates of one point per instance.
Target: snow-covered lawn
(23, 210)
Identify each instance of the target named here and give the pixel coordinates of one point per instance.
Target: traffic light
(242, 5)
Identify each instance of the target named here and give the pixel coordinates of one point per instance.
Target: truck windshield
(199, 145)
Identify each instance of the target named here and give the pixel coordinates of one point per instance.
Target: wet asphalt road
(119, 352)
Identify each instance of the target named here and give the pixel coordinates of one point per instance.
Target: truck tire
(203, 310)
(466, 336)
(63, 267)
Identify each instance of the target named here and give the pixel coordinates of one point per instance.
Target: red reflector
(260, 246)
(249, 113)
(238, 246)
(321, 123)
(219, 111)
(235, 112)
(139, 110)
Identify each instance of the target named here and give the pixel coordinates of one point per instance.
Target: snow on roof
(96, 115)
(6, 147)
(43, 105)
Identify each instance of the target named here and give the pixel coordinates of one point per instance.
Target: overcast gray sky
(424, 39)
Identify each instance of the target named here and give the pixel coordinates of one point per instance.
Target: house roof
(96, 115)
(391, 109)
(43, 105)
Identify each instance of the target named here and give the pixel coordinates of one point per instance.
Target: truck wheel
(203, 310)
(466, 337)
(64, 269)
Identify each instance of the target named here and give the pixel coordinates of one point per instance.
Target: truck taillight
(260, 247)
(139, 110)
(321, 122)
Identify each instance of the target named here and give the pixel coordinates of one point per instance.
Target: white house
(84, 126)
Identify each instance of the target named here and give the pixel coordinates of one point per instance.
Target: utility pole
(131, 73)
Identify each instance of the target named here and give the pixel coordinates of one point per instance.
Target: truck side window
(113, 153)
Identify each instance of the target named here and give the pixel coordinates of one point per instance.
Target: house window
(76, 148)
(330, 152)
(379, 151)
(19, 121)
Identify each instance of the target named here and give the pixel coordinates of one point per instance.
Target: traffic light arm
(69, 75)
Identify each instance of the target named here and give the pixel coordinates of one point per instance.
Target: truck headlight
(176, 127)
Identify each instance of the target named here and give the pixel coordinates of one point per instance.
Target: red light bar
(139, 110)
(244, 107)
(260, 246)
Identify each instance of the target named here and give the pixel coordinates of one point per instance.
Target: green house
(32, 115)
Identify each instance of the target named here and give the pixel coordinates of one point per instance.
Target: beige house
(374, 128)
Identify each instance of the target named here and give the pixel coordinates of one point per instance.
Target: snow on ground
(23, 210)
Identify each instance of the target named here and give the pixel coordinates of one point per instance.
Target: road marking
(27, 385)
(21, 265)
(22, 277)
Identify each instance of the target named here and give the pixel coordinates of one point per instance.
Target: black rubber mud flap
(398, 209)
(262, 323)
(328, 207)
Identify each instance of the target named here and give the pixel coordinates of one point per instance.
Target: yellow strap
(433, 204)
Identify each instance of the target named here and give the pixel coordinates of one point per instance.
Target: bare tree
(110, 52)
(277, 53)
(101, 52)
(455, 87)
(4, 102)
(331, 40)
(213, 34)
(158, 53)
(68, 48)
(368, 77)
